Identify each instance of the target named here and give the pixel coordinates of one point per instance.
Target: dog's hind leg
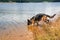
(47, 21)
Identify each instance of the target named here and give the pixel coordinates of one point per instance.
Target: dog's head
(29, 22)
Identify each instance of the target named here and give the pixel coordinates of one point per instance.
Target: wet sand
(11, 31)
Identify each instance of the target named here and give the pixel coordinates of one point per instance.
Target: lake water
(21, 11)
(18, 13)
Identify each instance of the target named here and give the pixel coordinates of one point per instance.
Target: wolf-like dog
(39, 17)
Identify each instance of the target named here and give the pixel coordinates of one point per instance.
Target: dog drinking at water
(39, 17)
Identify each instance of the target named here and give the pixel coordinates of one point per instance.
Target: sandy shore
(15, 32)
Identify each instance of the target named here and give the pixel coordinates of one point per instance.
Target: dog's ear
(28, 22)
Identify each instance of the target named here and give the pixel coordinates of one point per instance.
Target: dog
(39, 17)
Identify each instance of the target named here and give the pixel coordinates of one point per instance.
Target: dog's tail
(28, 22)
(50, 16)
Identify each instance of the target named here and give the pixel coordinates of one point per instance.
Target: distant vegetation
(29, 0)
(10, 0)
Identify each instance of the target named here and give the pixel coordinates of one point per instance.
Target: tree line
(29, 0)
